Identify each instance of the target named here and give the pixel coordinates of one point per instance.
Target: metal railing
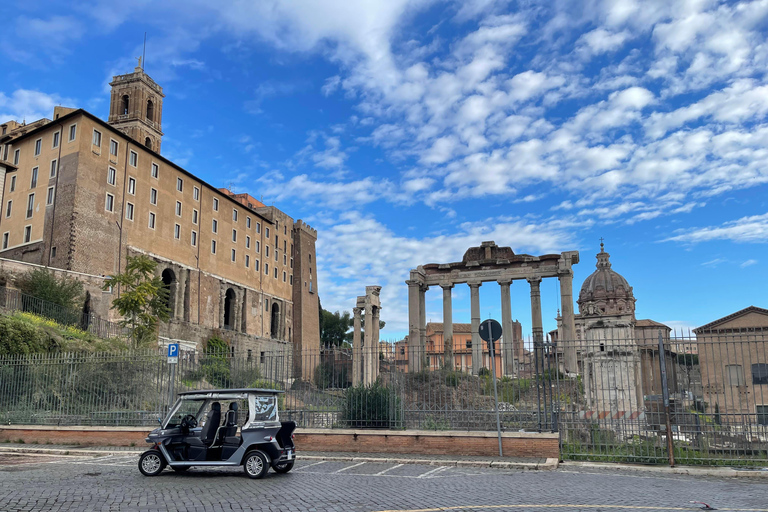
(12, 300)
(611, 407)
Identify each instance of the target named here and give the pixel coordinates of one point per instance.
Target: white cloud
(29, 106)
(748, 263)
(746, 229)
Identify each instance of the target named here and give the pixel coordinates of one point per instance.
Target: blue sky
(409, 130)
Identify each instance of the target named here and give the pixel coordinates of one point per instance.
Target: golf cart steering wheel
(189, 421)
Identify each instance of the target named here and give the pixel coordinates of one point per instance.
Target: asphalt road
(46, 483)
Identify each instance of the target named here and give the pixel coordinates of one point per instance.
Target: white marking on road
(433, 472)
(310, 465)
(388, 469)
(349, 467)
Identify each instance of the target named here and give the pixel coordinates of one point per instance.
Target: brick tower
(136, 107)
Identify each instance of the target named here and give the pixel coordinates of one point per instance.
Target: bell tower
(136, 107)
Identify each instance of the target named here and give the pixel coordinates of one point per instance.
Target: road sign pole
(173, 380)
(495, 392)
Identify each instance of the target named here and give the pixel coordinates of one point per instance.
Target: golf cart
(222, 427)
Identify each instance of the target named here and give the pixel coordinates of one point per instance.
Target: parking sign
(173, 353)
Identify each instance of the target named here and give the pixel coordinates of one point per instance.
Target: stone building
(81, 194)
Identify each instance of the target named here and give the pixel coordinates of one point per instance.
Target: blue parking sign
(173, 350)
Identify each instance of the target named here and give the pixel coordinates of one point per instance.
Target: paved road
(44, 483)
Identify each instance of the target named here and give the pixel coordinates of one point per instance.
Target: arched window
(229, 309)
(124, 110)
(148, 142)
(169, 282)
(275, 324)
(150, 110)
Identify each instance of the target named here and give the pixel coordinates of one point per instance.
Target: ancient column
(569, 326)
(423, 317)
(506, 350)
(477, 345)
(373, 370)
(357, 360)
(367, 343)
(447, 327)
(414, 326)
(536, 324)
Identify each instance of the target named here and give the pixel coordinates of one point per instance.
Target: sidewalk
(529, 463)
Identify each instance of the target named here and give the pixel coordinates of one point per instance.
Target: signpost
(173, 360)
(490, 331)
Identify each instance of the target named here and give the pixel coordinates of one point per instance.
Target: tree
(43, 284)
(143, 299)
(334, 327)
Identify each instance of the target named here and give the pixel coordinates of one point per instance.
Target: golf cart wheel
(151, 463)
(180, 469)
(255, 464)
(283, 468)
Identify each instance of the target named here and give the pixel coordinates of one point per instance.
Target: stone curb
(678, 470)
(550, 464)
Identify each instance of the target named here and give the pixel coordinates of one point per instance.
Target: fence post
(665, 388)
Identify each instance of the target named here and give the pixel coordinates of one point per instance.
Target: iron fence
(612, 406)
(12, 300)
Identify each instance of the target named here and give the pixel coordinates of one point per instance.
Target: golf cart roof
(239, 391)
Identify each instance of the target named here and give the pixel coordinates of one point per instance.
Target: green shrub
(214, 365)
(329, 375)
(484, 372)
(43, 284)
(374, 406)
(18, 336)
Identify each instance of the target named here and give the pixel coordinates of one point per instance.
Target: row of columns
(417, 325)
(365, 344)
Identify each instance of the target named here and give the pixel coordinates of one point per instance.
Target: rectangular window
(258, 227)
(49, 197)
(54, 165)
(248, 222)
(234, 215)
(256, 265)
(153, 196)
(16, 157)
(109, 203)
(5, 240)
(194, 238)
(113, 145)
(132, 186)
(27, 234)
(276, 255)
(213, 246)
(734, 374)
(762, 410)
(285, 259)
(196, 193)
(194, 216)
(155, 170)
(30, 205)
(129, 211)
(111, 176)
(266, 232)
(215, 226)
(233, 255)
(266, 268)
(151, 220)
(760, 373)
(53, 252)
(247, 261)
(234, 235)
(133, 160)
(258, 245)
(176, 231)
(290, 280)
(8, 209)
(38, 146)
(72, 132)
(179, 184)
(215, 204)
(178, 208)
(13, 183)
(56, 137)
(266, 251)
(285, 277)
(33, 184)
(97, 138)
(275, 272)
(247, 242)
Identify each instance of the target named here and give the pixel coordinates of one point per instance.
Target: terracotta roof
(438, 327)
(745, 311)
(650, 323)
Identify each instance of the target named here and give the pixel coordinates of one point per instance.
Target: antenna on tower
(144, 53)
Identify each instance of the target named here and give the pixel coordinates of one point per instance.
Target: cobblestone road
(111, 483)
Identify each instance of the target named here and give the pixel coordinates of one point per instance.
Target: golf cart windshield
(183, 407)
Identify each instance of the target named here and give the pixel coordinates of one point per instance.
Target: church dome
(605, 291)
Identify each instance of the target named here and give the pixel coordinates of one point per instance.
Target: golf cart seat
(212, 420)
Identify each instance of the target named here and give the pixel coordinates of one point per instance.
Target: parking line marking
(349, 467)
(388, 469)
(433, 471)
(310, 465)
